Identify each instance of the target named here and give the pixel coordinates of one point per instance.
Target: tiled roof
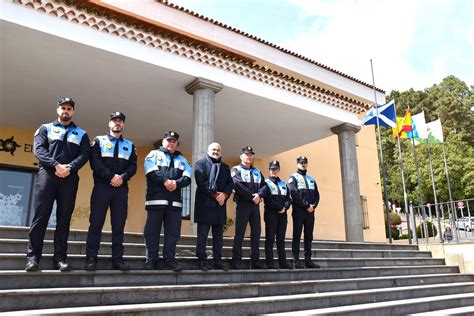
(258, 39)
(125, 26)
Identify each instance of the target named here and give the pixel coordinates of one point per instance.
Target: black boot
(202, 265)
(91, 264)
(284, 265)
(120, 264)
(298, 263)
(310, 264)
(270, 264)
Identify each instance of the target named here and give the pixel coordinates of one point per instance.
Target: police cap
(274, 164)
(171, 134)
(302, 159)
(66, 101)
(247, 150)
(119, 115)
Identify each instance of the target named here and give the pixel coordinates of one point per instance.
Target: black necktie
(171, 161)
(252, 181)
(278, 188)
(115, 159)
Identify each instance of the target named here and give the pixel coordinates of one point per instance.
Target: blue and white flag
(387, 116)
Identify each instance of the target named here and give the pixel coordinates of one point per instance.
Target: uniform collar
(111, 138)
(56, 123)
(245, 167)
(275, 179)
(163, 149)
(302, 172)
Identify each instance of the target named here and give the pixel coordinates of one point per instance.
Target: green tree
(451, 101)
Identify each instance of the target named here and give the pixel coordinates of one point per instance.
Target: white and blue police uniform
(164, 206)
(55, 144)
(304, 192)
(110, 156)
(277, 199)
(247, 181)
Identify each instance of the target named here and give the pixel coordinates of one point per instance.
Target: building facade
(171, 69)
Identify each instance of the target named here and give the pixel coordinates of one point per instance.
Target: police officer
(62, 148)
(114, 162)
(167, 172)
(305, 198)
(277, 202)
(249, 185)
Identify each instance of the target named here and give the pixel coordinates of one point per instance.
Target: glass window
(15, 197)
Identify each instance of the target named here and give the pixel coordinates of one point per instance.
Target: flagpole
(387, 208)
(434, 192)
(400, 158)
(420, 194)
(453, 209)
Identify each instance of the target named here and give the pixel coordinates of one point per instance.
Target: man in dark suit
(214, 186)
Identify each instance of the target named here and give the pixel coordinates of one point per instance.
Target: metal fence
(442, 222)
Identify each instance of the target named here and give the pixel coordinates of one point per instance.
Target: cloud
(409, 41)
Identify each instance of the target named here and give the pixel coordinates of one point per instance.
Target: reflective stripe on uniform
(157, 202)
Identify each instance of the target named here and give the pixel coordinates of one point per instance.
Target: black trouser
(275, 224)
(302, 219)
(48, 188)
(246, 213)
(103, 196)
(217, 241)
(171, 217)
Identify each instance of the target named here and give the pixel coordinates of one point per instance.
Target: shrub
(432, 230)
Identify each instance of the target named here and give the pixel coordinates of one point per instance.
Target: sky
(412, 43)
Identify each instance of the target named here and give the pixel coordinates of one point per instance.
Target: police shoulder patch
(290, 180)
(233, 173)
(93, 143)
(37, 131)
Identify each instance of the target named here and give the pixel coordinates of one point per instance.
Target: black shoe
(31, 266)
(91, 264)
(151, 265)
(270, 265)
(172, 266)
(121, 265)
(62, 266)
(219, 266)
(255, 265)
(234, 265)
(298, 263)
(285, 265)
(202, 265)
(310, 264)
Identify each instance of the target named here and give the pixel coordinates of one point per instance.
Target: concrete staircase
(354, 279)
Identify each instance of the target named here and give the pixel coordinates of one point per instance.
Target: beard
(215, 156)
(117, 129)
(65, 118)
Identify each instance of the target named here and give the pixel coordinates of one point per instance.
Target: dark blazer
(206, 208)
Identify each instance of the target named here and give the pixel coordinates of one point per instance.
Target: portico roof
(44, 57)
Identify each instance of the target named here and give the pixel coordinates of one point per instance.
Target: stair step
(467, 310)
(138, 249)
(286, 303)
(24, 299)
(80, 278)
(15, 232)
(17, 262)
(459, 304)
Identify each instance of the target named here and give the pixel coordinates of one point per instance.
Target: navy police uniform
(110, 156)
(55, 144)
(277, 202)
(163, 205)
(304, 192)
(247, 181)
